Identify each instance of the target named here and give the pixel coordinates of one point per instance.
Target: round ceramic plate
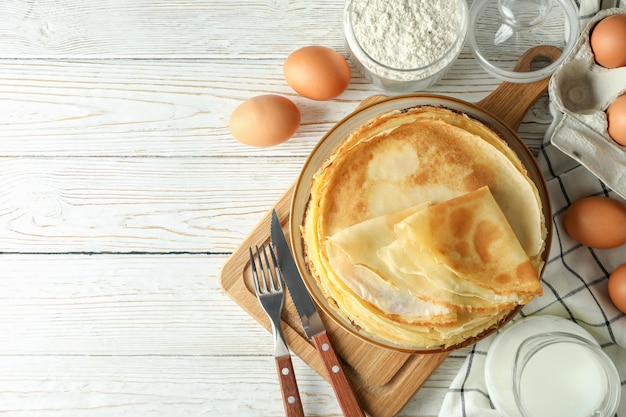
(342, 130)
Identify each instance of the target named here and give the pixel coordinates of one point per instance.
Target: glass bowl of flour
(404, 45)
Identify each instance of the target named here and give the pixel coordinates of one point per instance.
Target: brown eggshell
(608, 41)
(597, 222)
(317, 72)
(616, 118)
(617, 287)
(265, 120)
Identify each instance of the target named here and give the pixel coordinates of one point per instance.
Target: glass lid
(501, 31)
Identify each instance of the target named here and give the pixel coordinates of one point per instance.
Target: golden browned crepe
(470, 236)
(424, 229)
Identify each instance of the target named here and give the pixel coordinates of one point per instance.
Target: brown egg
(608, 41)
(617, 287)
(264, 120)
(616, 117)
(597, 222)
(317, 72)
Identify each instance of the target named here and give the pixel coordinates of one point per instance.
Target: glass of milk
(561, 374)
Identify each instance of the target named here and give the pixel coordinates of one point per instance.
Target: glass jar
(560, 374)
(546, 365)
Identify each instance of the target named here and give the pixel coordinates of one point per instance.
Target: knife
(312, 322)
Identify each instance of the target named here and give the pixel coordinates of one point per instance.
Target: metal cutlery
(312, 322)
(268, 285)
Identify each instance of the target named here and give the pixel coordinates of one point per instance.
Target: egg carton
(581, 90)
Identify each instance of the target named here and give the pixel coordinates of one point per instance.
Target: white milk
(562, 380)
(567, 376)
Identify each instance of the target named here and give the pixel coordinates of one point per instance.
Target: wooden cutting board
(384, 380)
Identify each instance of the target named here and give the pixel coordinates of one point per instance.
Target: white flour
(407, 34)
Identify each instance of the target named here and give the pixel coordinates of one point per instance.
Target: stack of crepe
(424, 229)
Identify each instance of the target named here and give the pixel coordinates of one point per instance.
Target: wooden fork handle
(338, 379)
(289, 387)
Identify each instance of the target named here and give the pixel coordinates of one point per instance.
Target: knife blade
(312, 323)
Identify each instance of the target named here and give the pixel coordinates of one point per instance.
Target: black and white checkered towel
(574, 280)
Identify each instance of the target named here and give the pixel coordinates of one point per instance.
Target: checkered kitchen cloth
(574, 280)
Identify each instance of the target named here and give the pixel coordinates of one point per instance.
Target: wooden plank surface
(135, 204)
(175, 108)
(127, 337)
(164, 28)
(122, 195)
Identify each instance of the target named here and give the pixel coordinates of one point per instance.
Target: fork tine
(271, 272)
(277, 271)
(263, 269)
(255, 275)
(266, 273)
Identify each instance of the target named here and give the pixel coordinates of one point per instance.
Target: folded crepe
(472, 238)
(461, 255)
(372, 243)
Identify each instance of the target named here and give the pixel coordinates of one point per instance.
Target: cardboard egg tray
(581, 90)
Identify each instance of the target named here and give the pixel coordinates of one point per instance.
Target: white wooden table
(122, 194)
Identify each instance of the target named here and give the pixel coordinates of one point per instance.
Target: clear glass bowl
(501, 31)
(399, 78)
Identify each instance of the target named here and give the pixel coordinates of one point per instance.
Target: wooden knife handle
(289, 387)
(338, 379)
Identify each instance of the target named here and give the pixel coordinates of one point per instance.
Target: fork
(268, 285)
